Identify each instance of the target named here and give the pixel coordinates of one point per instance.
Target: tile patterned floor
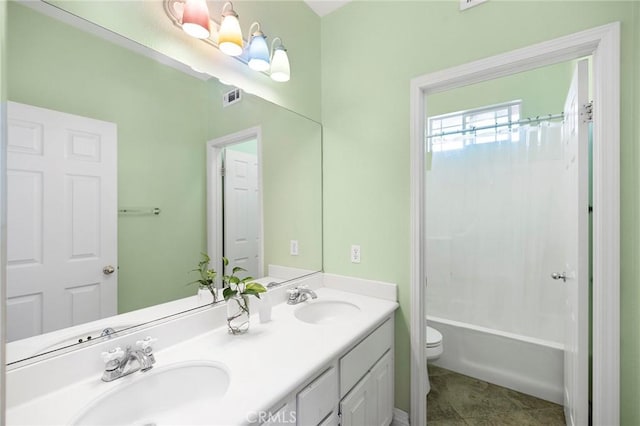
(458, 400)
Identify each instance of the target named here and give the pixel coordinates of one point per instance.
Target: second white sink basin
(325, 311)
(165, 395)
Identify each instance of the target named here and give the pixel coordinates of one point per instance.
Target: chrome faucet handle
(112, 354)
(145, 346)
(146, 342)
(294, 293)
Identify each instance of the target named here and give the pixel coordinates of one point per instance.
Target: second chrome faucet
(300, 294)
(119, 363)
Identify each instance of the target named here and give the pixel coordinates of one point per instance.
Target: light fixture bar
(174, 10)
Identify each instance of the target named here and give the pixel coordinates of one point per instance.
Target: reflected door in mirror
(61, 220)
(241, 210)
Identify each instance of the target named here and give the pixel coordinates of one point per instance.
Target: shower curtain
(494, 224)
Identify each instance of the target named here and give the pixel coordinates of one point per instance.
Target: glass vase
(238, 314)
(207, 295)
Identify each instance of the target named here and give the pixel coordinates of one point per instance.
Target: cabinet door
(331, 420)
(382, 377)
(318, 399)
(358, 407)
(283, 416)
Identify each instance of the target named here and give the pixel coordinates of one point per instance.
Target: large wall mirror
(122, 171)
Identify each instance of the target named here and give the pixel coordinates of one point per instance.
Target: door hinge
(587, 112)
(222, 171)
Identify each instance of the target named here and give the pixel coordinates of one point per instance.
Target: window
(477, 126)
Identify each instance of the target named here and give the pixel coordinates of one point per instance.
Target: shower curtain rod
(522, 122)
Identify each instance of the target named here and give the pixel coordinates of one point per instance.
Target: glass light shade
(230, 36)
(195, 18)
(280, 70)
(259, 53)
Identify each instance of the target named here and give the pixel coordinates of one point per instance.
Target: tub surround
(267, 366)
(531, 366)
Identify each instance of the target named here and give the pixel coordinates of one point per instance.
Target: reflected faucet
(300, 294)
(121, 363)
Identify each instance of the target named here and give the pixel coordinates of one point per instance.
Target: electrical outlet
(293, 247)
(355, 254)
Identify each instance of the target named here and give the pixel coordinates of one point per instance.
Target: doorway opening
(603, 43)
(507, 237)
(234, 202)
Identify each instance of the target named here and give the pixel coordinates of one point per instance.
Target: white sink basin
(325, 311)
(166, 395)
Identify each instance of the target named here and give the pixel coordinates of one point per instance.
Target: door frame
(214, 194)
(604, 44)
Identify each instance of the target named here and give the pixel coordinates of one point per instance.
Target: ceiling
(324, 7)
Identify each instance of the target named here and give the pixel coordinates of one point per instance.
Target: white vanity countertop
(265, 365)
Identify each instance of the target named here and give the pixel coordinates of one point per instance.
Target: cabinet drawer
(360, 359)
(318, 399)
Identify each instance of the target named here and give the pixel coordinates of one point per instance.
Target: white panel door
(61, 220)
(576, 156)
(241, 215)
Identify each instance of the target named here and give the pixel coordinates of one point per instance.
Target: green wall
(291, 170)
(292, 21)
(365, 114)
(541, 90)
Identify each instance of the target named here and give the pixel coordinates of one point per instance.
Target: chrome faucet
(300, 294)
(121, 363)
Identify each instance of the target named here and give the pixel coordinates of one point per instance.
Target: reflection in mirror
(109, 196)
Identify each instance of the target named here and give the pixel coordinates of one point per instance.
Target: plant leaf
(227, 293)
(255, 287)
(237, 269)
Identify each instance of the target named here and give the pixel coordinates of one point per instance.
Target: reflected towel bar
(140, 211)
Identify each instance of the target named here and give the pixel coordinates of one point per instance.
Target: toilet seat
(434, 337)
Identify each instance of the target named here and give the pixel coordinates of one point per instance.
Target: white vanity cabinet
(370, 402)
(356, 390)
(366, 380)
(319, 399)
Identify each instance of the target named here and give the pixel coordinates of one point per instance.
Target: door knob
(108, 270)
(559, 276)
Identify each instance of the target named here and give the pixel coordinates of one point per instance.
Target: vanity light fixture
(230, 35)
(258, 49)
(280, 69)
(195, 18)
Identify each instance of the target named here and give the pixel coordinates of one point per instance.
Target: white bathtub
(528, 365)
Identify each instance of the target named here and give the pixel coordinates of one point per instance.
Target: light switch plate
(293, 248)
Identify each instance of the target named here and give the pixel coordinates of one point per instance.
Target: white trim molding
(604, 44)
(400, 418)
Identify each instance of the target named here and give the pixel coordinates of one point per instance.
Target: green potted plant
(207, 279)
(236, 292)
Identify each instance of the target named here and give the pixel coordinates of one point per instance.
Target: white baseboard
(400, 418)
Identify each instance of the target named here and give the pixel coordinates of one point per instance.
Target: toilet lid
(434, 338)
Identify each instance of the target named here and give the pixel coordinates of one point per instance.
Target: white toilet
(434, 349)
